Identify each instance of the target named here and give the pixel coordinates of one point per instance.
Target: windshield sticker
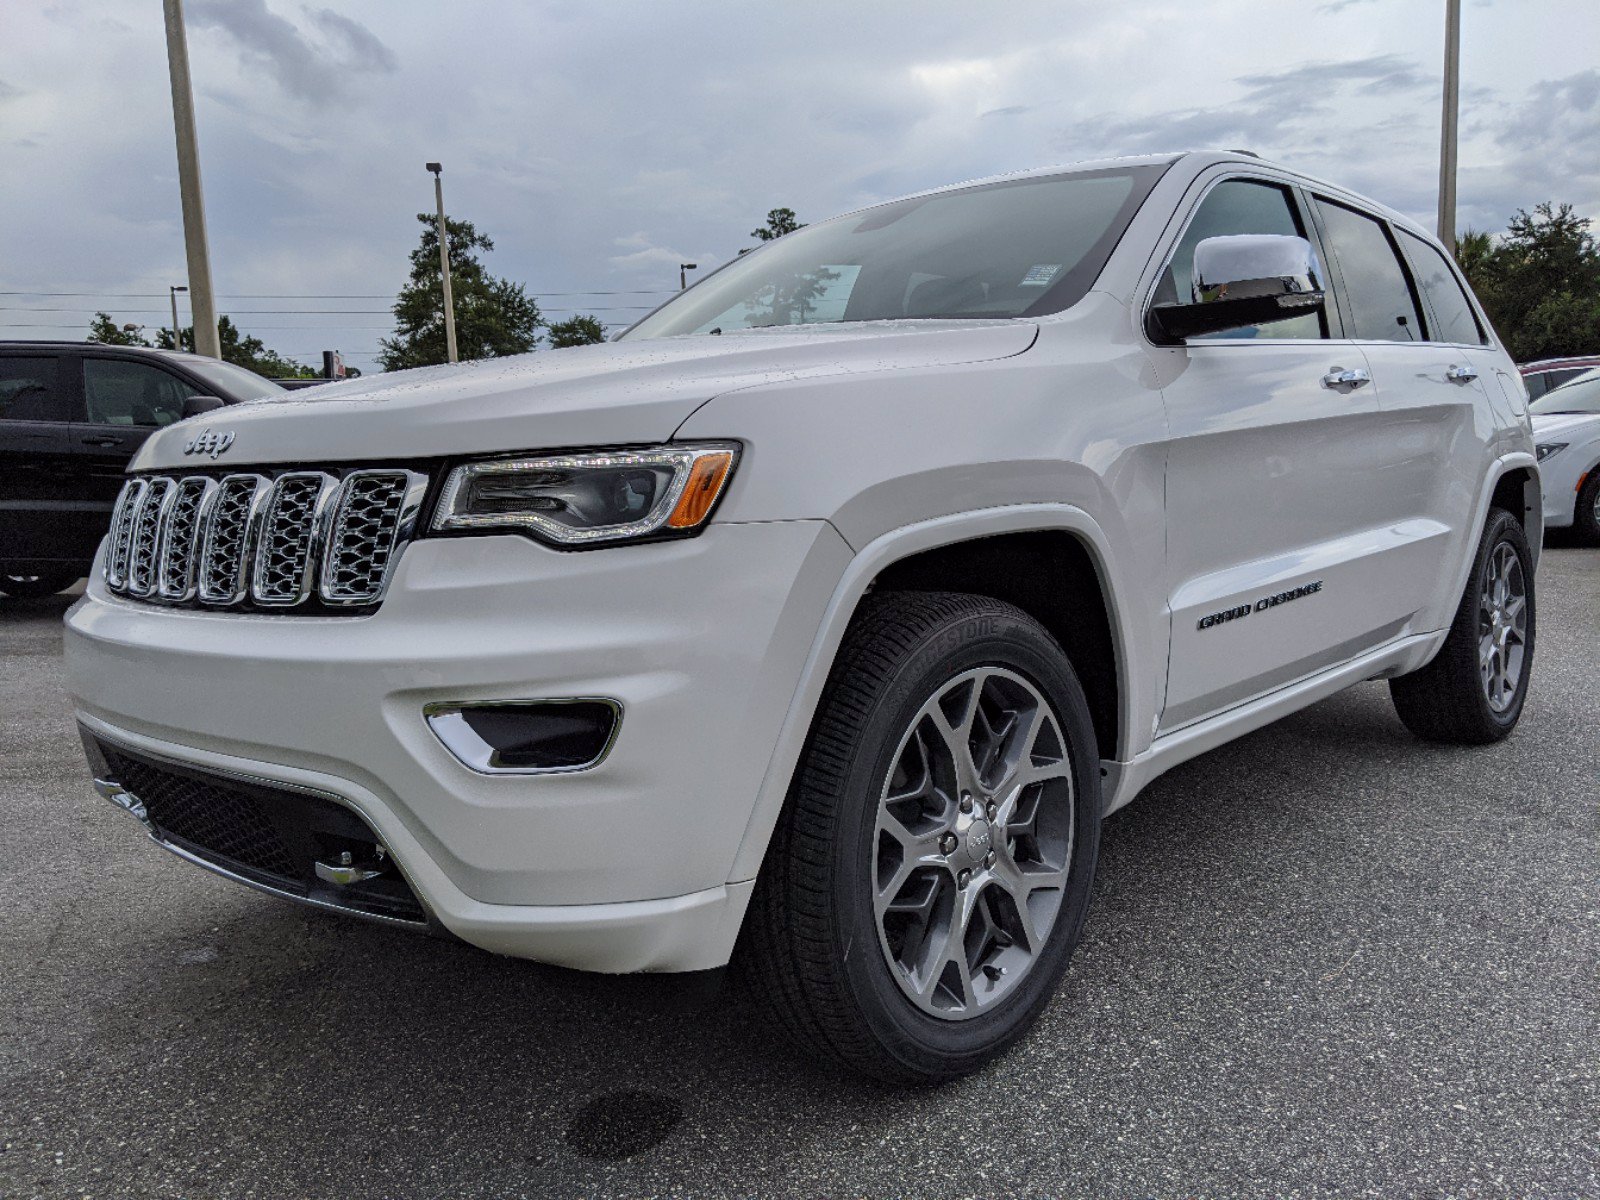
(1040, 275)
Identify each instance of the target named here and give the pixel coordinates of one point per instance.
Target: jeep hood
(609, 394)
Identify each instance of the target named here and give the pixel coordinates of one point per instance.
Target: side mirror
(1240, 280)
(195, 405)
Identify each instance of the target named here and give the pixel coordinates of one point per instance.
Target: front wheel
(930, 874)
(1473, 691)
(32, 587)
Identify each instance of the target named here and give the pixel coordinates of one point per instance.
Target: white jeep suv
(820, 618)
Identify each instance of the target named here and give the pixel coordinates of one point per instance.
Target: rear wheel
(1473, 691)
(930, 874)
(30, 587)
(1586, 520)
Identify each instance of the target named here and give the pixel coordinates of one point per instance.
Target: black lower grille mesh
(261, 832)
(211, 815)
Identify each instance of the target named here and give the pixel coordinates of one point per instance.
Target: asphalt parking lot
(1325, 961)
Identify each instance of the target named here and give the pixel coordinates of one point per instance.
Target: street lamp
(683, 274)
(444, 263)
(177, 338)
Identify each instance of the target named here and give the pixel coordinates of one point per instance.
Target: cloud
(643, 253)
(363, 50)
(1551, 142)
(306, 67)
(1277, 111)
(8, 91)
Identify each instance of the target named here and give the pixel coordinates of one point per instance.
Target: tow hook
(345, 871)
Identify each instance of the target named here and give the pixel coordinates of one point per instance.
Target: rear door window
(123, 392)
(1377, 290)
(1452, 311)
(30, 390)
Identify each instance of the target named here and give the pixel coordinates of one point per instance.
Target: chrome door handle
(1460, 374)
(1354, 378)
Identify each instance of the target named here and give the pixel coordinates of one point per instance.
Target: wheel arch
(909, 558)
(1513, 485)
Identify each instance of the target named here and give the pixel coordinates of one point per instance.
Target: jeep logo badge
(209, 442)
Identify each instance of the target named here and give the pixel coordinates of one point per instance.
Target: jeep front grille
(290, 540)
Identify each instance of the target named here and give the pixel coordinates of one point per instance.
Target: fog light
(526, 737)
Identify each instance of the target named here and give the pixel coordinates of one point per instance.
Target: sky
(602, 144)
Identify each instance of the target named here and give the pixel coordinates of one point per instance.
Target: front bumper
(623, 867)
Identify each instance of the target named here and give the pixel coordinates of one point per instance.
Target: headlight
(582, 499)
(1548, 448)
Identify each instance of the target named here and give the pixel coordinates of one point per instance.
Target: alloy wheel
(973, 842)
(1502, 627)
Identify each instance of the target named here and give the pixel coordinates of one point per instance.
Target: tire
(1463, 696)
(32, 587)
(838, 950)
(1586, 517)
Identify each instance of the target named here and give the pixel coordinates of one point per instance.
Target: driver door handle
(1341, 378)
(1461, 374)
(101, 441)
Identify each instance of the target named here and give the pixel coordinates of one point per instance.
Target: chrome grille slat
(291, 533)
(306, 539)
(371, 519)
(180, 538)
(141, 576)
(230, 530)
(121, 536)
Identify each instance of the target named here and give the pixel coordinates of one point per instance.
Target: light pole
(683, 274)
(201, 303)
(1447, 130)
(177, 337)
(444, 263)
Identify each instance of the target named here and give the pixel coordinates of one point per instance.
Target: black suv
(71, 416)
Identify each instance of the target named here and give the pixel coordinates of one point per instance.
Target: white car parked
(1566, 426)
(822, 616)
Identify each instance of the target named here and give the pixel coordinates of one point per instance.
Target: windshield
(231, 382)
(1582, 395)
(1019, 248)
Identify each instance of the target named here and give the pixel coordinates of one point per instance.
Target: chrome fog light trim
(451, 724)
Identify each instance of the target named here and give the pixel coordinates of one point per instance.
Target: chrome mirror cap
(1243, 266)
(1241, 280)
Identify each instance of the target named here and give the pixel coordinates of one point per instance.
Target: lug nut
(992, 811)
(947, 844)
(966, 803)
(990, 859)
(963, 879)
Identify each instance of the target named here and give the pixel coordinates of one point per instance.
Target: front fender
(1139, 682)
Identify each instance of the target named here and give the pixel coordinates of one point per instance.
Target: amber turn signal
(706, 477)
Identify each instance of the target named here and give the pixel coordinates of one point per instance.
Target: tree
(494, 317)
(1540, 282)
(248, 352)
(779, 222)
(108, 333)
(576, 331)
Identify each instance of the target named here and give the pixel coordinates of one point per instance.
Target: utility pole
(1447, 131)
(177, 336)
(201, 303)
(444, 263)
(683, 274)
